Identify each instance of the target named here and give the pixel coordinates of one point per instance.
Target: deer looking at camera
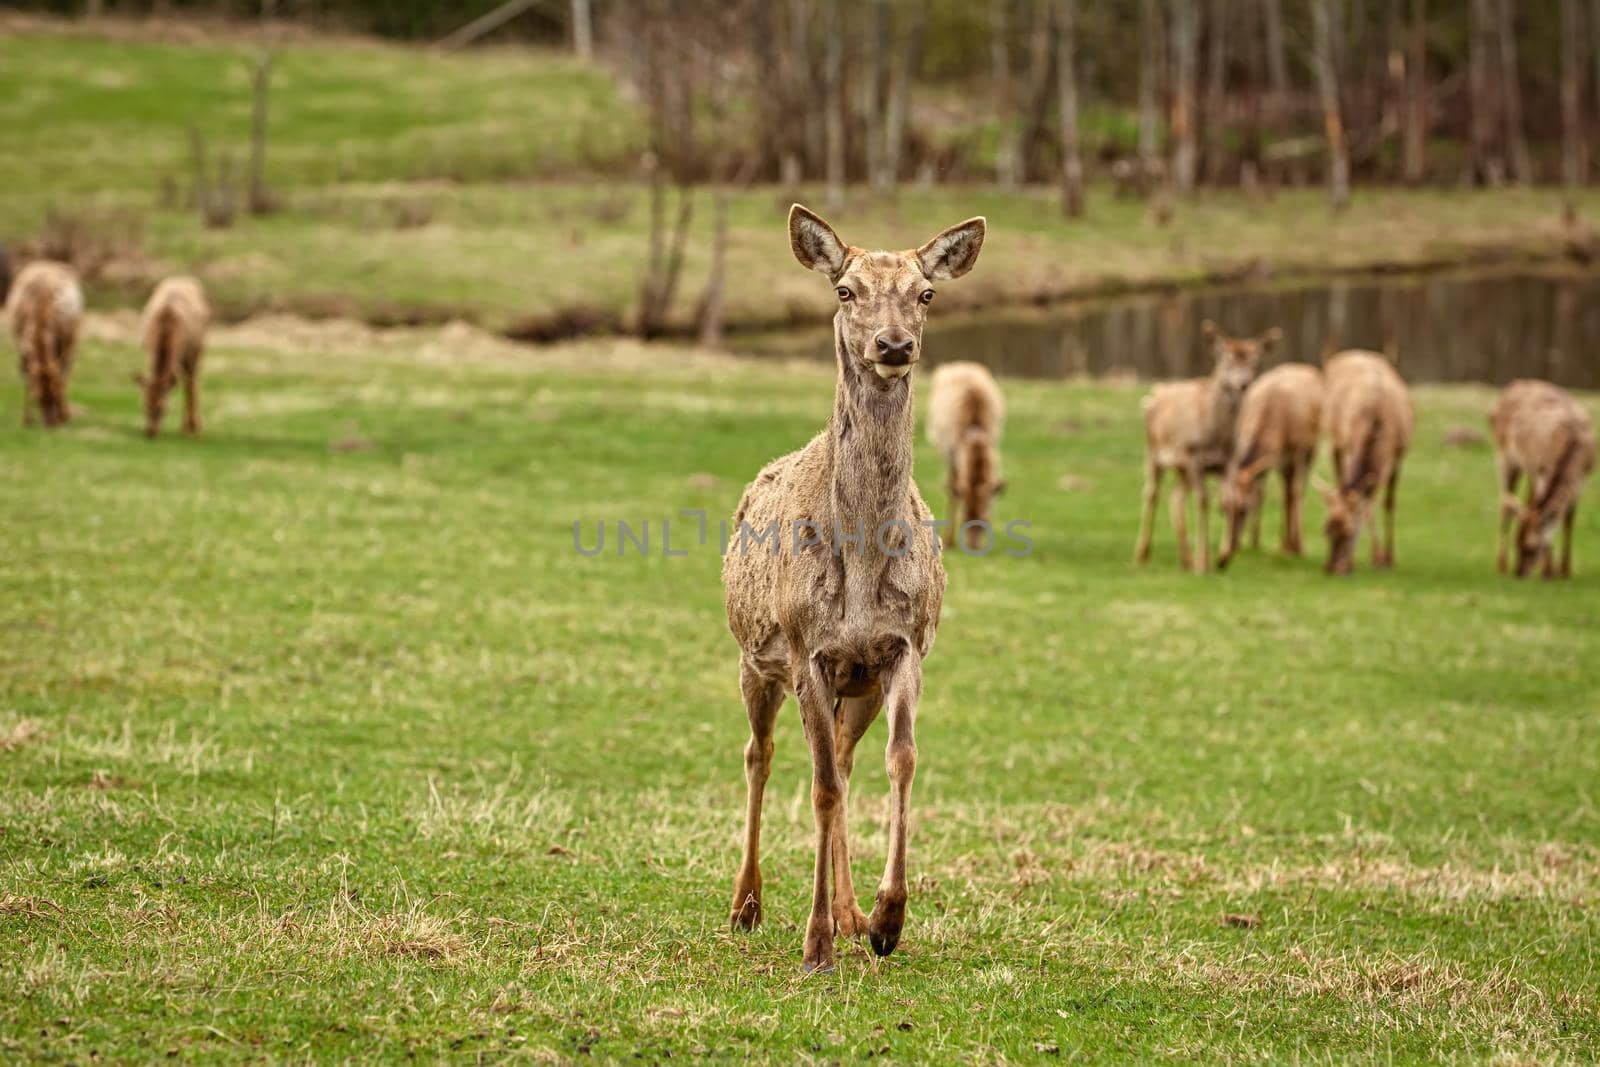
(175, 336)
(1369, 420)
(45, 307)
(965, 416)
(1542, 432)
(843, 615)
(1189, 429)
(1278, 429)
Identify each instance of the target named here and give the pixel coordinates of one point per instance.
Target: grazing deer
(175, 322)
(1542, 432)
(1189, 430)
(1369, 420)
(965, 416)
(843, 607)
(1278, 429)
(45, 307)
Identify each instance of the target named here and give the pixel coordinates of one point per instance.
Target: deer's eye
(845, 295)
(927, 296)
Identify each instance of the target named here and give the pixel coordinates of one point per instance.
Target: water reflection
(1442, 328)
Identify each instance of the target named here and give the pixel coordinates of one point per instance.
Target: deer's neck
(1224, 415)
(870, 436)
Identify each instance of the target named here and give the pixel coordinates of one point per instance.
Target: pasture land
(318, 739)
(502, 187)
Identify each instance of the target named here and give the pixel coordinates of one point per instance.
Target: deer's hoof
(746, 916)
(883, 928)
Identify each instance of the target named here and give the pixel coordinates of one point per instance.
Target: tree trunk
(1185, 63)
(1216, 99)
(1041, 86)
(1511, 94)
(1574, 164)
(1067, 94)
(1486, 164)
(1415, 145)
(582, 29)
(1008, 150)
(1277, 64)
(1324, 18)
(1150, 65)
(1594, 47)
(711, 305)
(834, 75)
(875, 92)
(894, 120)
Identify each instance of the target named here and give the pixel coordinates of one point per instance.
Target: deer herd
(45, 309)
(844, 618)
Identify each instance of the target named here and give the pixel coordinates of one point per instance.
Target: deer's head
(1347, 510)
(883, 296)
(1238, 358)
(1241, 496)
(1536, 529)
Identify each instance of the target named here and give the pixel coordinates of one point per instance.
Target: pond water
(1437, 328)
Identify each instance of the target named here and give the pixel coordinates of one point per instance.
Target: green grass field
(318, 740)
(500, 187)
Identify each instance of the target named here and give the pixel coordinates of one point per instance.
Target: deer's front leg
(901, 693)
(814, 691)
(855, 715)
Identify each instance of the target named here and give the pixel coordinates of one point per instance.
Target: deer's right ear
(814, 243)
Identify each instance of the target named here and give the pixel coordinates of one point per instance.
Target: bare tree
(1574, 161)
(1216, 98)
(1511, 94)
(875, 86)
(1008, 152)
(257, 198)
(1486, 164)
(1067, 94)
(1324, 17)
(833, 52)
(1185, 63)
(1277, 64)
(1415, 144)
(894, 119)
(1150, 64)
(582, 29)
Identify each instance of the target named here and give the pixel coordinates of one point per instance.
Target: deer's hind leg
(1147, 518)
(1178, 505)
(1566, 540)
(191, 391)
(763, 696)
(851, 720)
(1509, 476)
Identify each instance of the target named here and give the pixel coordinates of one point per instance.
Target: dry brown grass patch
(19, 733)
(32, 907)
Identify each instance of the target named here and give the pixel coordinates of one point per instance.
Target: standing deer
(843, 607)
(45, 306)
(1278, 428)
(965, 416)
(175, 322)
(1542, 432)
(1189, 429)
(1369, 420)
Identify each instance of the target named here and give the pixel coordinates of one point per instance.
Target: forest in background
(1158, 95)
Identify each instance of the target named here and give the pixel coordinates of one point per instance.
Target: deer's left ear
(1270, 339)
(953, 252)
(814, 243)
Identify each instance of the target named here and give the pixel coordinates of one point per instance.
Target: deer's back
(45, 293)
(1535, 422)
(1363, 388)
(1282, 410)
(964, 396)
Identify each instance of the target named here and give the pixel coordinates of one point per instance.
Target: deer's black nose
(895, 348)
